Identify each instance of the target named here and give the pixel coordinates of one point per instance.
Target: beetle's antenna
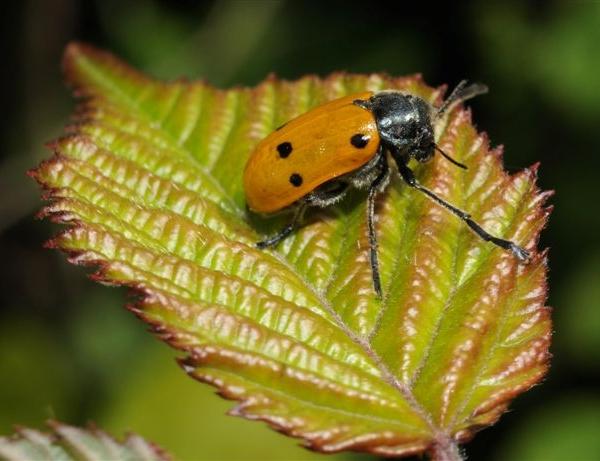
(450, 99)
(450, 159)
(461, 93)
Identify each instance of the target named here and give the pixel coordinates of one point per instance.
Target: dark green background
(67, 348)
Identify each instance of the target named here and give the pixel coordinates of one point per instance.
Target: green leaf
(149, 179)
(67, 443)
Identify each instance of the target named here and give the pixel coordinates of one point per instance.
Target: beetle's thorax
(404, 124)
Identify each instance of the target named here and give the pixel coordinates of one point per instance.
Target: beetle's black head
(404, 124)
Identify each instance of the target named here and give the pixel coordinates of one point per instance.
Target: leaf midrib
(213, 340)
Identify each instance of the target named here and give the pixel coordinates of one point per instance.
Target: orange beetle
(313, 159)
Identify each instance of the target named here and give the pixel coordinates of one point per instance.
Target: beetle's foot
(522, 254)
(269, 242)
(263, 244)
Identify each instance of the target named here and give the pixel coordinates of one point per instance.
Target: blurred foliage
(581, 322)
(555, 55)
(567, 429)
(67, 348)
(37, 383)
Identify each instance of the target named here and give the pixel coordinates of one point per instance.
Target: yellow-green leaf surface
(69, 443)
(149, 179)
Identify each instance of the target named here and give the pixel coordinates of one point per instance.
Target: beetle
(313, 160)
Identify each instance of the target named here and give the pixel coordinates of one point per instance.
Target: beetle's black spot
(296, 179)
(284, 149)
(359, 140)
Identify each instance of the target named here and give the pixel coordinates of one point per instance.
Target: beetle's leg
(324, 197)
(374, 189)
(327, 194)
(287, 230)
(409, 177)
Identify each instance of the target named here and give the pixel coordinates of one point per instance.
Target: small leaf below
(69, 443)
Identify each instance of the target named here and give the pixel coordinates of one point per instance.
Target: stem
(447, 450)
